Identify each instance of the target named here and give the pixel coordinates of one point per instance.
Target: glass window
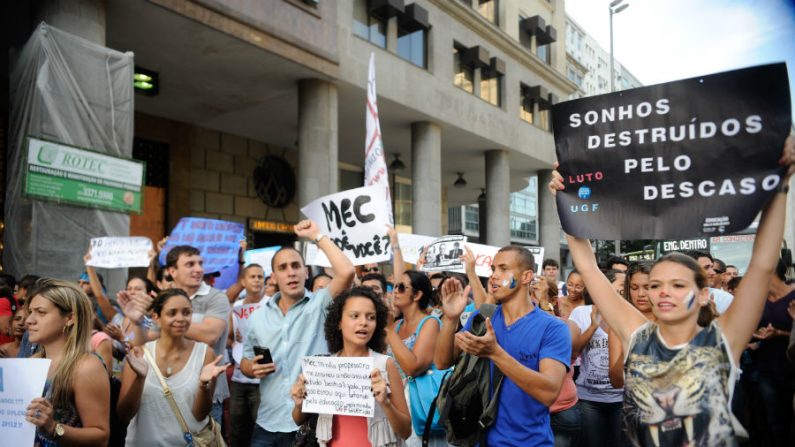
(488, 9)
(464, 76)
(543, 119)
(524, 212)
(471, 218)
(412, 46)
(525, 105)
(402, 204)
(544, 53)
(367, 26)
(490, 90)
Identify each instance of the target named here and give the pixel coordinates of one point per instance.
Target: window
(543, 118)
(412, 46)
(471, 218)
(402, 203)
(368, 26)
(526, 104)
(544, 53)
(524, 212)
(488, 9)
(464, 76)
(490, 90)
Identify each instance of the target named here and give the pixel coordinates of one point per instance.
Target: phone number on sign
(93, 193)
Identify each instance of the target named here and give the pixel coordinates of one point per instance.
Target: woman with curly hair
(76, 402)
(355, 327)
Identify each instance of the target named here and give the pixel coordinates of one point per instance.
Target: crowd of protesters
(618, 353)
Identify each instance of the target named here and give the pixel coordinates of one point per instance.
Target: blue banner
(217, 240)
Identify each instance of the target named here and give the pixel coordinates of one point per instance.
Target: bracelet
(395, 248)
(783, 188)
(319, 237)
(204, 385)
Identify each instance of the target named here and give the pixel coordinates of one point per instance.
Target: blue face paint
(691, 298)
(510, 284)
(513, 282)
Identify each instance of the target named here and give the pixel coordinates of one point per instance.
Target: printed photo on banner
(261, 256)
(119, 252)
(355, 220)
(444, 254)
(689, 158)
(217, 240)
(21, 380)
(338, 385)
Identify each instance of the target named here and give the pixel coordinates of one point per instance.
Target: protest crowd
(616, 353)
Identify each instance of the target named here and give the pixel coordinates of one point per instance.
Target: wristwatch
(319, 237)
(59, 431)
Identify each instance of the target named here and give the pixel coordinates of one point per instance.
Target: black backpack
(466, 405)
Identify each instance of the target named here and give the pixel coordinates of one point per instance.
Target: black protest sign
(696, 157)
(355, 220)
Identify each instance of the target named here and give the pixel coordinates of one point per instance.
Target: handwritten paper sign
(355, 220)
(217, 240)
(338, 385)
(261, 256)
(120, 252)
(21, 380)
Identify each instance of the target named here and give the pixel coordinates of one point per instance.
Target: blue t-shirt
(521, 419)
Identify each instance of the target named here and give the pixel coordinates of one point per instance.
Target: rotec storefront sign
(67, 174)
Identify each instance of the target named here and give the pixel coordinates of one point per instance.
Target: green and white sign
(81, 177)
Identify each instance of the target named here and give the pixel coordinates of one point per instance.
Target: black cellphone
(265, 353)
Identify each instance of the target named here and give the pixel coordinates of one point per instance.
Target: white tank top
(156, 424)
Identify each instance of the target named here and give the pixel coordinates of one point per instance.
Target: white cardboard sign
(338, 385)
(120, 252)
(261, 256)
(21, 380)
(355, 220)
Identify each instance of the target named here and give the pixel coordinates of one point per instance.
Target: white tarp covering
(70, 90)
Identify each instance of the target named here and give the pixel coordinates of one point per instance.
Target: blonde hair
(69, 299)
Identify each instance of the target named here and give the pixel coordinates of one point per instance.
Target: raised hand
(307, 228)
(556, 184)
(380, 387)
(469, 260)
(454, 299)
(788, 156)
(298, 391)
(161, 243)
(114, 331)
(137, 361)
(131, 308)
(212, 370)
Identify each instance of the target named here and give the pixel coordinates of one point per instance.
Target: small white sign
(261, 256)
(21, 380)
(338, 385)
(120, 252)
(444, 254)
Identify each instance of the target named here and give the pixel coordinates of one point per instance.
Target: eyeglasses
(400, 287)
(371, 270)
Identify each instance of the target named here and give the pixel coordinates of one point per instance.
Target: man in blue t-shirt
(529, 346)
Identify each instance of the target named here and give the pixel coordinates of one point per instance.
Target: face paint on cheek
(691, 298)
(510, 283)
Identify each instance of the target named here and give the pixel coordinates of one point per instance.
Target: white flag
(375, 172)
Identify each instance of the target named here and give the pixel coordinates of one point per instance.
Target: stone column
(498, 232)
(317, 140)
(84, 18)
(548, 222)
(426, 173)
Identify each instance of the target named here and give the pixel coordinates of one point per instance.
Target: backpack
(467, 407)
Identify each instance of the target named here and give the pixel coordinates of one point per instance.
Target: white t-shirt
(593, 383)
(240, 315)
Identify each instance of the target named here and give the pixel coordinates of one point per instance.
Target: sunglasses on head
(372, 270)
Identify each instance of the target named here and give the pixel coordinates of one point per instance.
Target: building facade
(249, 90)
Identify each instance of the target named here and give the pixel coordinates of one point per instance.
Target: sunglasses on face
(400, 287)
(372, 270)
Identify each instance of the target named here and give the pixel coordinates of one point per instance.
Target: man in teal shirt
(290, 325)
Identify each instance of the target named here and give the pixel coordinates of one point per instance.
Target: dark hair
(730, 266)
(162, 274)
(695, 254)
(635, 268)
(253, 265)
(315, 278)
(719, 266)
(332, 325)
(150, 286)
(27, 281)
(573, 272)
(420, 283)
(8, 280)
(375, 276)
(173, 255)
(273, 259)
(550, 262)
(164, 296)
(437, 296)
(525, 258)
(616, 260)
(781, 269)
(734, 282)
